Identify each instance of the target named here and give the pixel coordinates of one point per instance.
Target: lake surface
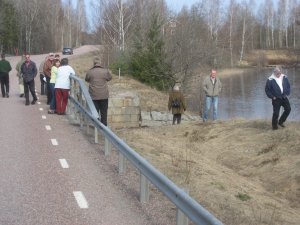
(243, 96)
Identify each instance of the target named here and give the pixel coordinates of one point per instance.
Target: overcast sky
(176, 5)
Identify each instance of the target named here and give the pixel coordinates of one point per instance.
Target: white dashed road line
(41, 109)
(64, 164)
(81, 201)
(54, 142)
(44, 117)
(48, 127)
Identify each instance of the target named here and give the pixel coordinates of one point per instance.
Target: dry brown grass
(82, 63)
(272, 57)
(242, 171)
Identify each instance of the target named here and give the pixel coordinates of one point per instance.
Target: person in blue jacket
(278, 89)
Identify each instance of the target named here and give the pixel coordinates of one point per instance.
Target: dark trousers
(4, 79)
(53, 99)
(43, 85)
(49, 94)
(29, 86)
(277, 103)
(102, 106)
(61, 96)
(176, 117)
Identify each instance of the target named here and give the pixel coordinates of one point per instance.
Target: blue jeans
(208, 101)
(52, 101)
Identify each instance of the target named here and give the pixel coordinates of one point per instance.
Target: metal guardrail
(83, 104)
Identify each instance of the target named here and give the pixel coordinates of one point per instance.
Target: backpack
(176, 103)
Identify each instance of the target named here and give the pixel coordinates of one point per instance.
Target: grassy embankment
(241, 171)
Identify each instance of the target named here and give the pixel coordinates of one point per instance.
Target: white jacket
(62, 79)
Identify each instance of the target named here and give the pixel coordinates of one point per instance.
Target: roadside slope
(240, 170)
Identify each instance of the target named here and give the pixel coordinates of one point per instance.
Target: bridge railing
(82, 108)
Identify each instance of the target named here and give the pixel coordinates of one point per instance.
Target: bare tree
(115, 17)
(81, 21)
(28, 13)
(231, 10)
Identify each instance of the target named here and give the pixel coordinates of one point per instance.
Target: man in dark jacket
(98, 89)
(5, 68)
(278, 89)
(29, 72)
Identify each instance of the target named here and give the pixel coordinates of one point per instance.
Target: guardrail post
(181, 218)
(107, 147)
(122, 163)
(144, 189)
(96, 135)
(81, 102)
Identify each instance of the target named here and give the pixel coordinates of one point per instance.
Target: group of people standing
(55, 74)
(55, 82)
(277, 88)
(212, 87)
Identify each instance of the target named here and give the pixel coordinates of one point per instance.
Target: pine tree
(8, 27)
(148, 62)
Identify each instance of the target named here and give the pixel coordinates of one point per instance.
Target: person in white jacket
(62, 86)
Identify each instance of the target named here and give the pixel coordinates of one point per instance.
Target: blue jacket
(273, 90)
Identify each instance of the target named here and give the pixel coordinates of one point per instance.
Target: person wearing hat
(278, 89)
(177, 104)
(212, 87)
(47, 72)
(97, 77)
(5, 68)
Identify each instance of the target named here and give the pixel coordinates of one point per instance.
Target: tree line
(146, 39)
(38, 26)
(209, 33)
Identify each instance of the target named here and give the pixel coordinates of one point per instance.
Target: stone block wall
(124, 110)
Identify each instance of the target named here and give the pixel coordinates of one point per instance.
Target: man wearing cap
(212, 87)
(278, 89)
(47, 72)
(98, 77)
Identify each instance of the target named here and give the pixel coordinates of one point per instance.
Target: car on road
(67, 51)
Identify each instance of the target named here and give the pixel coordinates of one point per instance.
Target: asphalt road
(51, 173)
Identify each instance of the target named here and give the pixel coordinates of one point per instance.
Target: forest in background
(147, 40)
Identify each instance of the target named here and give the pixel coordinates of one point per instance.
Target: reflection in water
(243, 96)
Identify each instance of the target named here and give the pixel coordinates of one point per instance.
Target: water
(243, 96)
